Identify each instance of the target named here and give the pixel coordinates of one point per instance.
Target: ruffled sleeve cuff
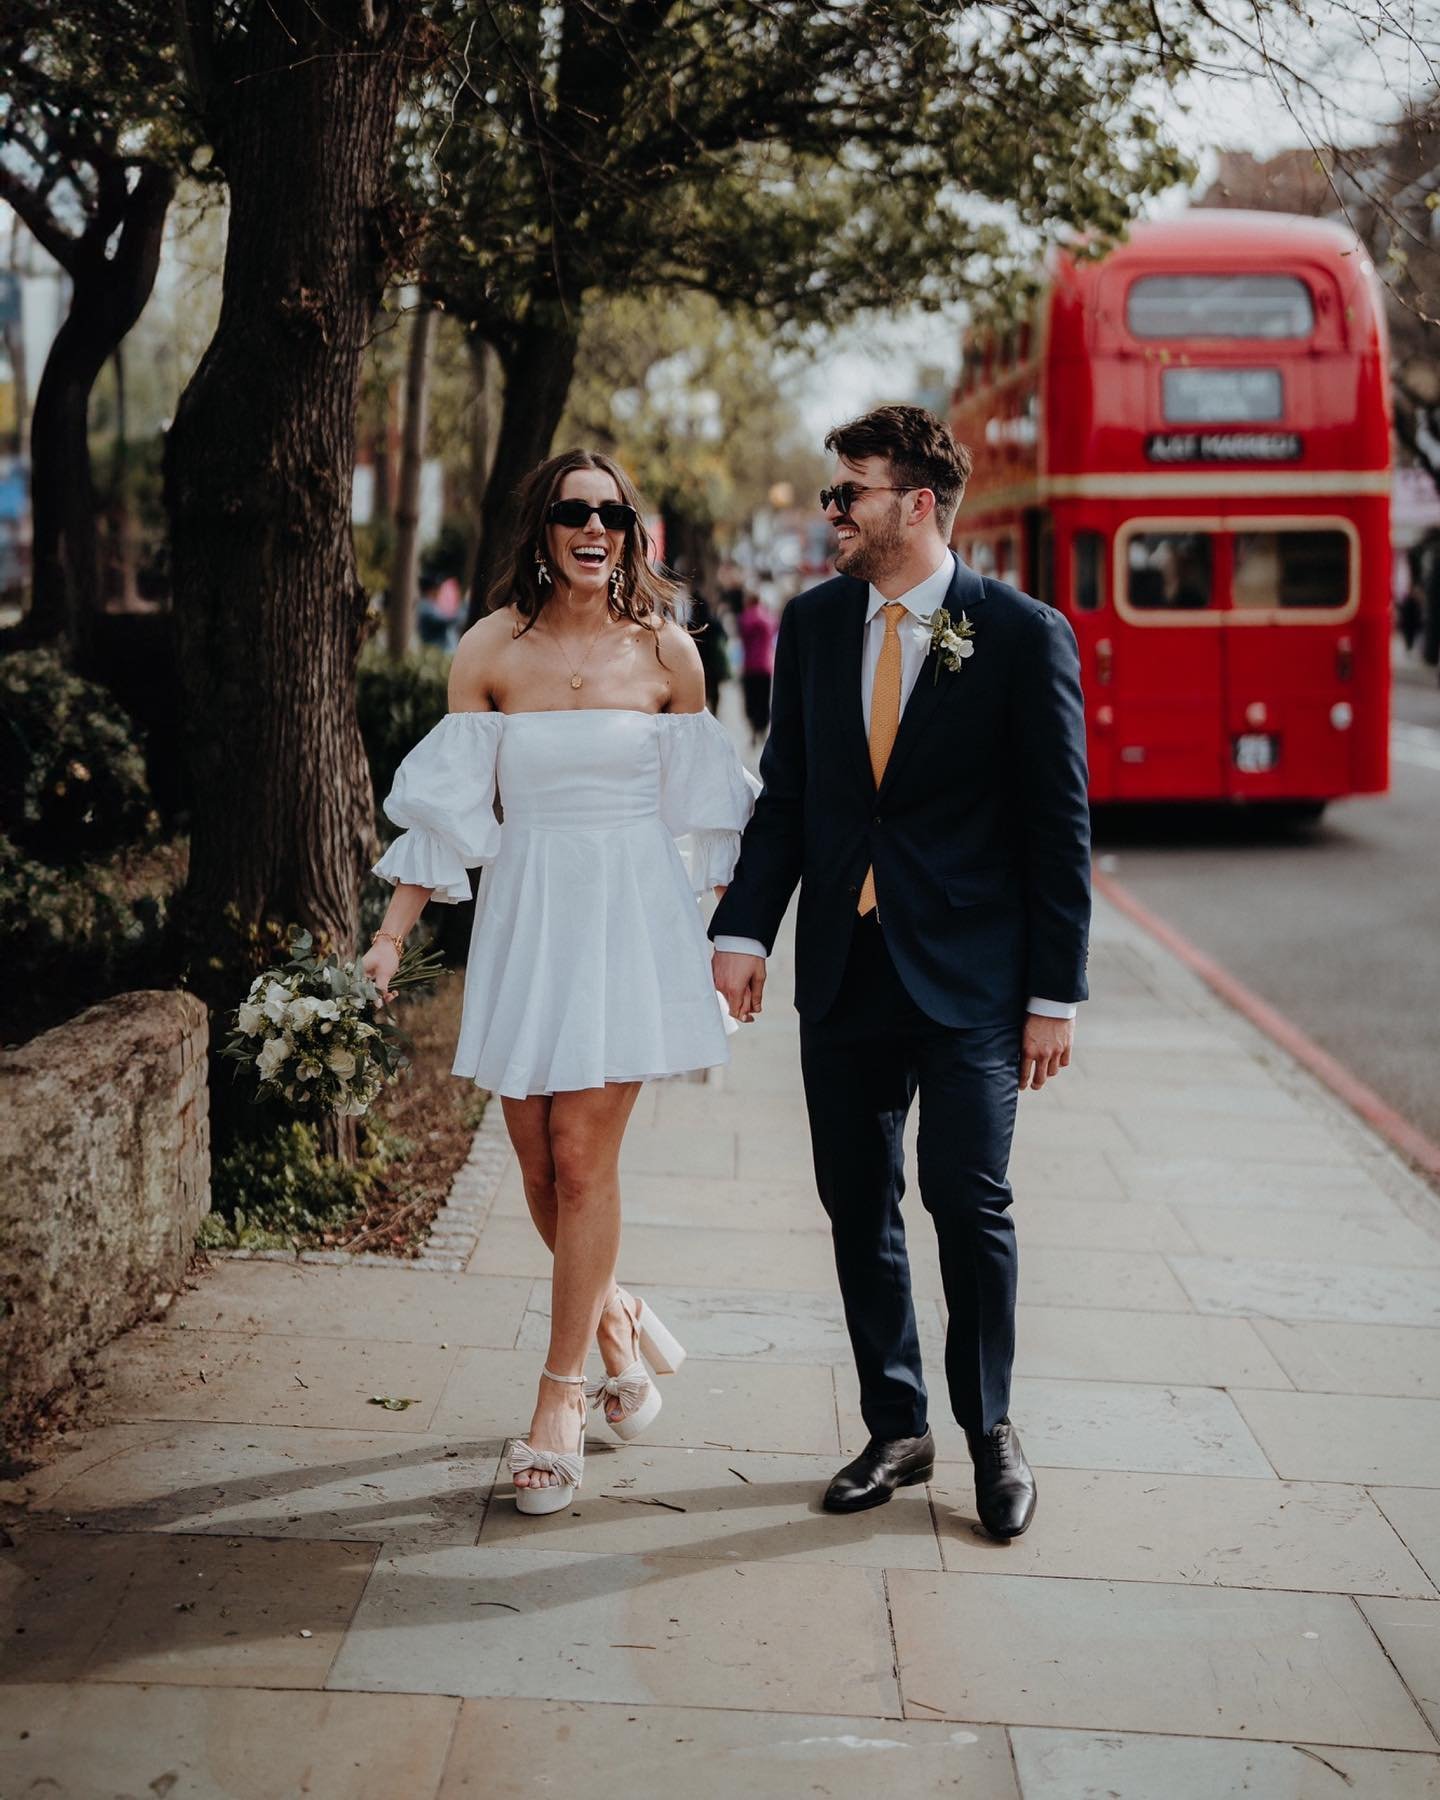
(422, 859)
(712, 858)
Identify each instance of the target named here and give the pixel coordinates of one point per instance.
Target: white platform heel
(639, 1398)
(568, 1466)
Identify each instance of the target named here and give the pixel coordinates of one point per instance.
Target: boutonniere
(949, 641)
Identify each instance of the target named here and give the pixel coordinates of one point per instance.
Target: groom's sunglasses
(844, 495)
(614, 514)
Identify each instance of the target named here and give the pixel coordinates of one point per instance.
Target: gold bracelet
(390, 937)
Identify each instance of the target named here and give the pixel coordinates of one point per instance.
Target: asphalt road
(1339, 925)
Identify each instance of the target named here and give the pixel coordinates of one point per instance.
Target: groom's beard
(879, 548)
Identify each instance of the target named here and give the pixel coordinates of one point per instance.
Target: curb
(1420, 1151)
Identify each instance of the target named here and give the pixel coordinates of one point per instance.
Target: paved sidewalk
(253, 1582)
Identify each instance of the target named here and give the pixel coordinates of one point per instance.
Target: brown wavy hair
(647, 595)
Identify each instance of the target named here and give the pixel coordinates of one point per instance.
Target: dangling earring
(617, 585)
(542, 570)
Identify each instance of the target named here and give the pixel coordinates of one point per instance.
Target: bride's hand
(380, 963)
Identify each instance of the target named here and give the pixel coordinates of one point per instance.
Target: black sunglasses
(844, 495)
(614, 514)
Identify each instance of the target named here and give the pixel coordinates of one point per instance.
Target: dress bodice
(584, 770)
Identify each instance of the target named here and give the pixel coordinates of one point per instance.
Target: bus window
(1169, 571)
(1291, 568)
(1089, 552)
(982, 561)
(1219, 306)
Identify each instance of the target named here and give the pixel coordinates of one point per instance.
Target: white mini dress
(588, 960)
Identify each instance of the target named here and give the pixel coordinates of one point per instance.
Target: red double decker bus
(1186, 448)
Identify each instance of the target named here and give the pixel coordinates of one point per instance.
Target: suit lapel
(849, 647)
(932, 688)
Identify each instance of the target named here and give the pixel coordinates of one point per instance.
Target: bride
(580, 703)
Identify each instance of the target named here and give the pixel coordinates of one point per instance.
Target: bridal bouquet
(312, 1030)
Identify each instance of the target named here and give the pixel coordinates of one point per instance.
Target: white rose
(327, 1009)
(250, 1018)
(274, 1052)
(277, 999)
(301, 1011)
(342, 1062)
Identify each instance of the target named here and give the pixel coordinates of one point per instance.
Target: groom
(928, 794)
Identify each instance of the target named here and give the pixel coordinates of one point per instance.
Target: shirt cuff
(741, 946)
(1052, 1009)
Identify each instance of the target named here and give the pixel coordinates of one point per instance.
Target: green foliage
(72, 778)
(808, 163)
(280, 1188)
(70, 936)
(398, 702)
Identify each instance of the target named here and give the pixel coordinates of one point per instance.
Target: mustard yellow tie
(884, 719)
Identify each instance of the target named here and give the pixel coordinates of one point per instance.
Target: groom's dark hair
(920, 449)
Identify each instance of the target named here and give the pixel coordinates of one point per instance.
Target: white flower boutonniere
(947, 640)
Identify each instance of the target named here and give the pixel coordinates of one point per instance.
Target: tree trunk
(400, 609)
(258, 472)
(538, 369)
(109, 294)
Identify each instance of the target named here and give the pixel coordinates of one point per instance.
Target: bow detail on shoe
(629, 1387)
(566, 1464)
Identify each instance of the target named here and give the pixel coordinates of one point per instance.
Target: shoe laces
(1003, 1438)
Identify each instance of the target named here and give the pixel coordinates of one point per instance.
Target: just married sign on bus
(1223, 446)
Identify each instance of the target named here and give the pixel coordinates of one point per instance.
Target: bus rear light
(1104, 661)
(1256, 714)
(1105, 716)
(1342, 715)
(1345, 659)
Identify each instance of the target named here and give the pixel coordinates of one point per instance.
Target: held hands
(380, 962)
(1044, 1049)
(741, 979)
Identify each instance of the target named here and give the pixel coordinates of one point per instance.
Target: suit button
(877, 820)
(854, 887)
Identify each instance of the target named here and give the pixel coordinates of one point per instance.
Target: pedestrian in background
(711, 640)
(757, 641)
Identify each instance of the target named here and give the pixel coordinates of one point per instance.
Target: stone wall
(104, 1178)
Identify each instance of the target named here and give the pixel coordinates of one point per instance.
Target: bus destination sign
(1223, 446)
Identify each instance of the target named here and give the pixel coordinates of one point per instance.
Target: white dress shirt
(920, 602)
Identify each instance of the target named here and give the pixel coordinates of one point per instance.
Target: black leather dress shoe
(881, 1467)
(1004, 1486)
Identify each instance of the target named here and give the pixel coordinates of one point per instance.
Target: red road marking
(1411, 1142)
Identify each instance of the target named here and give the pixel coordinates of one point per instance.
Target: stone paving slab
(156, 1607)
(1269, 1232)
(199, 1743)
(1204, 1531)
(1088, 1765)
(426, 1307)
(1346, 1437)
(528, 1623)
(1145, 1656)
(1410, 1633)
(326, 1382)
(514, 1749)
(1310, 1290)
(1080, 1343)
(1298, 1186)
(268, 1481)
(1415, 1514)
(1403, 1360)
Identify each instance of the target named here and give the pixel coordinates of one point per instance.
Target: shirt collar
(922, 600)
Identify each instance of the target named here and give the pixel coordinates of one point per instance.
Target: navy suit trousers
(864, 1062)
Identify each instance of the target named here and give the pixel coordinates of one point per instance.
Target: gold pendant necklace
(577, 680)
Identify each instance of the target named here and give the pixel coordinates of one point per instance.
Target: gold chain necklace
(577, 680)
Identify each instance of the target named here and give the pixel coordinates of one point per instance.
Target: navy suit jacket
(979, 832)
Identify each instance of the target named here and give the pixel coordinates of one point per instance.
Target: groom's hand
(1044, 1049)
(741, 979)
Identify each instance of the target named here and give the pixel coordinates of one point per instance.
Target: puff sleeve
(444, 797)
(705, 792)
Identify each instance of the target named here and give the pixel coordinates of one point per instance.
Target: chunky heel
(658, 1345)
(535, 1502)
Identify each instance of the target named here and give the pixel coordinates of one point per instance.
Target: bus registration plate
(1255, 752)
